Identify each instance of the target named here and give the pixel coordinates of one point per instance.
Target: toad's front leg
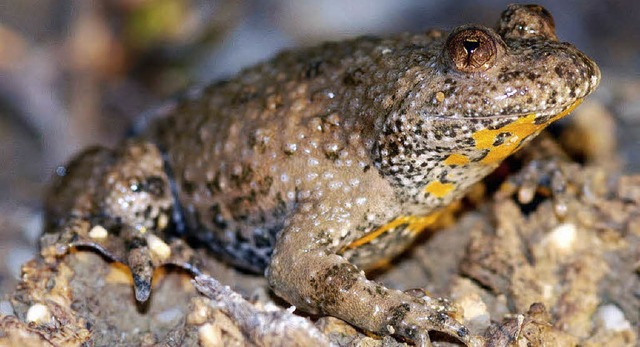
(306, 274)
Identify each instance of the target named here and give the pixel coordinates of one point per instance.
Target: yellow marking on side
(518, 131)
(415, 224)
(439, 189)
(456, 159)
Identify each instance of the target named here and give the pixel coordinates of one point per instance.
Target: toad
(319, 163)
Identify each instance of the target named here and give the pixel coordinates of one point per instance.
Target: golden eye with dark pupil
(471, 50)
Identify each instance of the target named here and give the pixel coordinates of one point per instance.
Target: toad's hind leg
(117, 203)
(319, 282)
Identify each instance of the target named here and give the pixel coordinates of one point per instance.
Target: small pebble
(475, 311)
(98, 232)
(158, 247)
(209, 335)
(38, 313)
(563, 237)
(198, 315)
(612, 318)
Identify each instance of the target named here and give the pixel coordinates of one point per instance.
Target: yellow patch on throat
(456, 159)
(439, 189)
(513, 135)
(415, 224)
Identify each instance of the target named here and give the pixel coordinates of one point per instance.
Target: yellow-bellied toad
(322, 161)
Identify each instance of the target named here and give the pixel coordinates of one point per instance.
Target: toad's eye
(471, 50)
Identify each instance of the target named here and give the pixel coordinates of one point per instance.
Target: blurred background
(77, 72)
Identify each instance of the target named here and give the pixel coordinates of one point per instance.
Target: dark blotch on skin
(335, 280)
(243, 177)
(480, 157)
(560, 71)
(509, 76)
(396, 314)
(532, 76)
(499, 140)
(265, 185)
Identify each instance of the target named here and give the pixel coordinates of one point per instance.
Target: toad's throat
(499, 144)
(502, 142)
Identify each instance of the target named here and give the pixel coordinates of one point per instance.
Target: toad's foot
(142, 253)
(555, 178)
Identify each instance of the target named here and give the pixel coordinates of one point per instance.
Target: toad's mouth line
(553, 113)
(513, 135)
